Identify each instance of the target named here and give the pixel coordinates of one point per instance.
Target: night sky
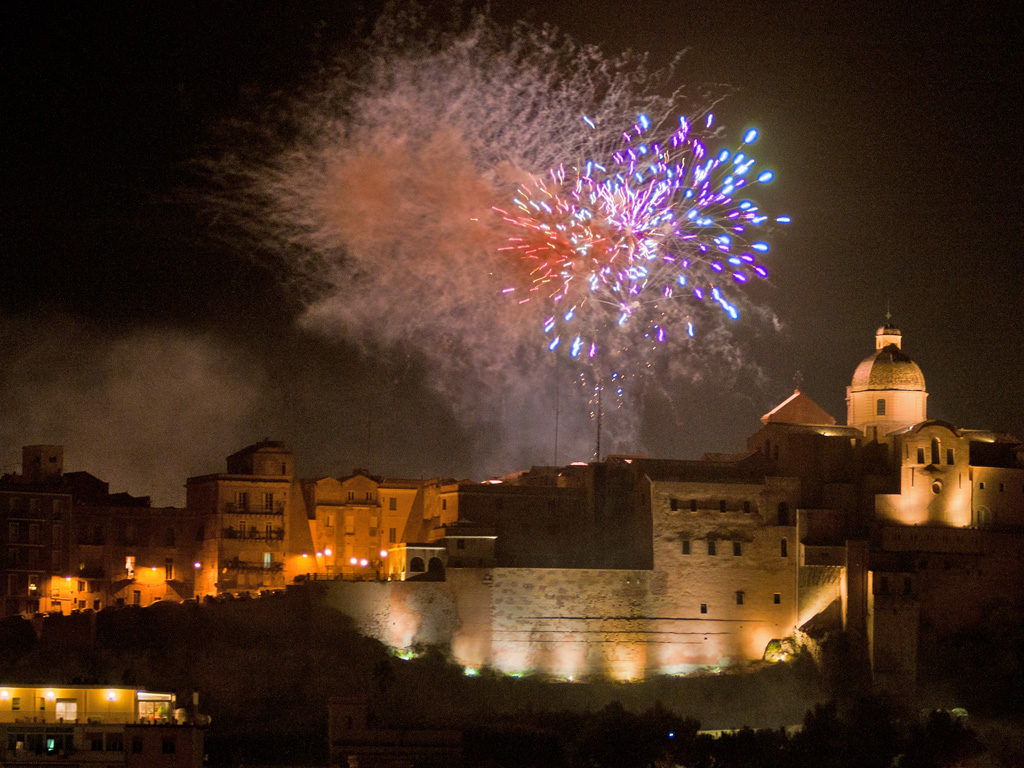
(140, 337)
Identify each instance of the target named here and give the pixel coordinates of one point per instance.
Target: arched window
(935, 450)
(880, 407)
(416, 565)
(784, 518)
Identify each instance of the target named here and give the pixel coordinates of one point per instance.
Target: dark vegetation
(265, 669)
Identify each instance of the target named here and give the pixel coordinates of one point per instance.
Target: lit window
(266, 560)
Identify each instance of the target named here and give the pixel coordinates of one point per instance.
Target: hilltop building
(890, 527)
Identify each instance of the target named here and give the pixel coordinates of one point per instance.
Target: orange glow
(328, 552)
(383, 553)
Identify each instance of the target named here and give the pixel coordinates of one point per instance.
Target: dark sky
(151, 349)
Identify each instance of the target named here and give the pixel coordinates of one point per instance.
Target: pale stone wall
(933, 489)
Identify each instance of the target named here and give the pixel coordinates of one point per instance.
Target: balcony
(230, 508)
(235, 564)
(253, 534)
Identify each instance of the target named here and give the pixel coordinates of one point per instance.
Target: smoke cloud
(142, 410)
(372, 195)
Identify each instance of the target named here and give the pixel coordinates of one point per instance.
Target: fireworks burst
(373, 192)
(632, 241)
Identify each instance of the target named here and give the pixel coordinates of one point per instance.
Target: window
(81, 586)
(777, 598)
(67, 710)
(169, 745)
(416, 565)
(169, 569)
(241, 529)
(444, 503)
(880, 407)
(242, 500)
(746, 507)
(269, 531)
(137, 745)
(783, 548)
(136, 597)
(268, 502)
(737, 548)
(981, 485)
(267, 562)
(721, 506)
(115, 742)
(1002, 487)
(15, 703)
(920, 455)
(351, 495)
(392, 535)
(739, 598)
(373, 532)
(711, 546)
(686, 546)
(693, 505)
(673, 505)
(950, 456)
(703, 607)
(393, 503)
(95, 742)
(935, 450)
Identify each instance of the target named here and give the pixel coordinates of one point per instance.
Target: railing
(231, 508)
(253, 534)
(234, 564)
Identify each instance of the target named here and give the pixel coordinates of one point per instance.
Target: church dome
(889, 367)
